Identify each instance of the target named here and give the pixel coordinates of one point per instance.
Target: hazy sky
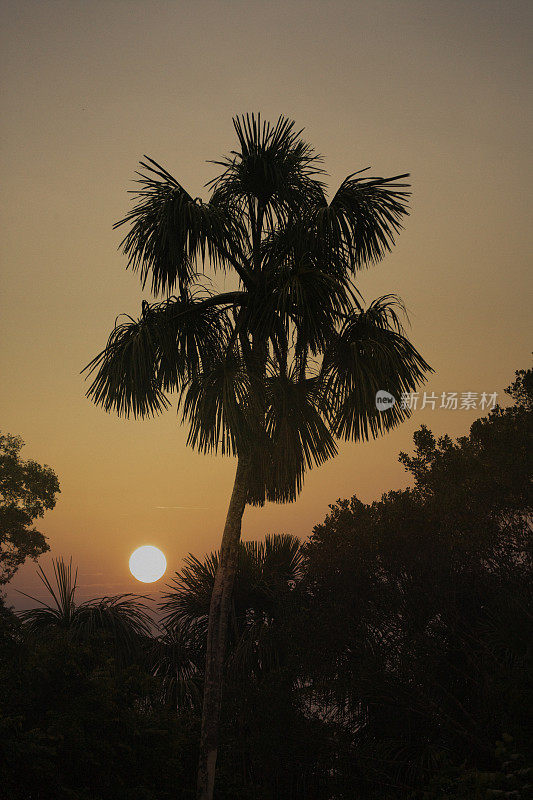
(438, 89)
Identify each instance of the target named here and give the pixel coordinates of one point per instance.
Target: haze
(440, 90)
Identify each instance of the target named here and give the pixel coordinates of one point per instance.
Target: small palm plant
(267, 572)
(277, 369)
(177, 659)
(123, 617)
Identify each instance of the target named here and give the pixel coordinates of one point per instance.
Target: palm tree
(124, 617)
(267, 573)
(278, 368)
(177, 657)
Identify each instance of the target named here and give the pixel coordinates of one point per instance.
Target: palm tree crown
(124, 617)
(266, 572)
(290, 360)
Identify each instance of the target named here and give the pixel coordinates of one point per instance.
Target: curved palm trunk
(219, 613)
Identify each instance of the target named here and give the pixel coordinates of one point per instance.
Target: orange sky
(439, 89)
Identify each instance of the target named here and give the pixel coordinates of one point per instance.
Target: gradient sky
(438, 89)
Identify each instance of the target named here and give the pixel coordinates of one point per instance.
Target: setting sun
(147, 564)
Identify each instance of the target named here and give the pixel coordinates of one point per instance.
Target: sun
(148, 564)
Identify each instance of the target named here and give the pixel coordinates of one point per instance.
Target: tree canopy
(422, 609)
(27, 490)
(290, 361)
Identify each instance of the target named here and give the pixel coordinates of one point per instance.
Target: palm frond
(256, 651)
(38, 620)
(310, 284)
(313, 299)
(274, 167)
(155, 354)
(370, 354)
(125, 617)
(221, 404)
(265, 572)
(126, 378)
(171, 233)
(296, 437)
(282, 557)
(363, 218)
(60, 613)
(177, 658)
(295, 425)
(189, 597)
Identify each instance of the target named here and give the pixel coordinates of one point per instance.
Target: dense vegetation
(27, 490)
(389, 656)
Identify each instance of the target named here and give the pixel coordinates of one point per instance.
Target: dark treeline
(388, 656)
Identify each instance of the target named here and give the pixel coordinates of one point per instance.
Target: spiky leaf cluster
(124, 618)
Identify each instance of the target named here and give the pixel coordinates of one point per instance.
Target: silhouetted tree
(267, 572)
(124, 618)
(27, 490)
(417, 616)
(266, 740)
(393, 662)
(275, 370)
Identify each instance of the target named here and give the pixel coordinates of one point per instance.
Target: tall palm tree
(278, 368)
(124, 617)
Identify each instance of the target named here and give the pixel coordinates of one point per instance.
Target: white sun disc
(147, 563)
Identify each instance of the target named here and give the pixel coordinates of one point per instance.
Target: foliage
(270, 748)
(266, 571)
(123, 618)
(276, 370)
(382, 659)
(74, 726)
(420, 609)
(279, 368)
(27, 490)
(266, 575)
(510, 780)
(177, 658)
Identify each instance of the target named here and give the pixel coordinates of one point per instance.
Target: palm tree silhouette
(278, 368)
(124, 617)
(267, 572)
